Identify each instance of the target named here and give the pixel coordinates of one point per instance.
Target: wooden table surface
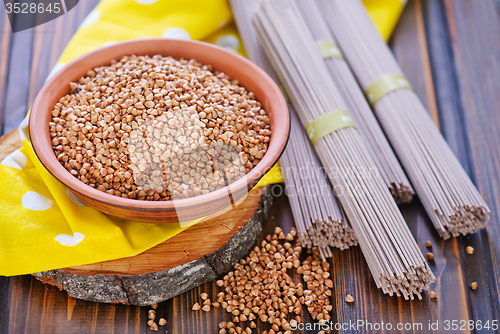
(450, 51)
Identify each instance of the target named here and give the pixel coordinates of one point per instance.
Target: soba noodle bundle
(369, 129)
(395, 261)
(447, 193)
(317, 214)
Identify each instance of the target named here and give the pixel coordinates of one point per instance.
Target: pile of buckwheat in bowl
(158, 128)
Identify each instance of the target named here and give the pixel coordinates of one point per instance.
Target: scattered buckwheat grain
(260, 287)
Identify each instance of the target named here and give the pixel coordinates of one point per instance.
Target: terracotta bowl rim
(37, 126)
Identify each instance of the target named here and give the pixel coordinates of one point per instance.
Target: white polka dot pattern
(15, 160)
(146, 2)
(69, 240)
(176, 33)
(23, 127)
(36, 202)
(74, 198)
(228, 42)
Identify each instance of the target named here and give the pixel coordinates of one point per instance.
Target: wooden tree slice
(9, 142)
(195, 256)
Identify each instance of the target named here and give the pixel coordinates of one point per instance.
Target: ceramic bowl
(237, 67)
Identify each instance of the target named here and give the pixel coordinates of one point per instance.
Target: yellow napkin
(44, 226)
(385, 14)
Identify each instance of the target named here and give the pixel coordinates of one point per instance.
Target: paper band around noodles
(328, 123)
(328, 49)
(385, 84)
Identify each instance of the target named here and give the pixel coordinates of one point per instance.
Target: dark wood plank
(350, 272)
(33, 54)
(443, 60)
(458, 41)
(410, 45)
(49, 43)
(474, 30)
(40, 308)
(45, 54)
(5, 42)
(16, 105)
(5, 288)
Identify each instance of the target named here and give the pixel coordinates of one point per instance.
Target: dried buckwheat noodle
(370, 131)
(318, 216)
(449, 196)
(393, 257)
(315, 209)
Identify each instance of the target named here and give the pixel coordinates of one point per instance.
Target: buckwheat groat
(158, 128)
